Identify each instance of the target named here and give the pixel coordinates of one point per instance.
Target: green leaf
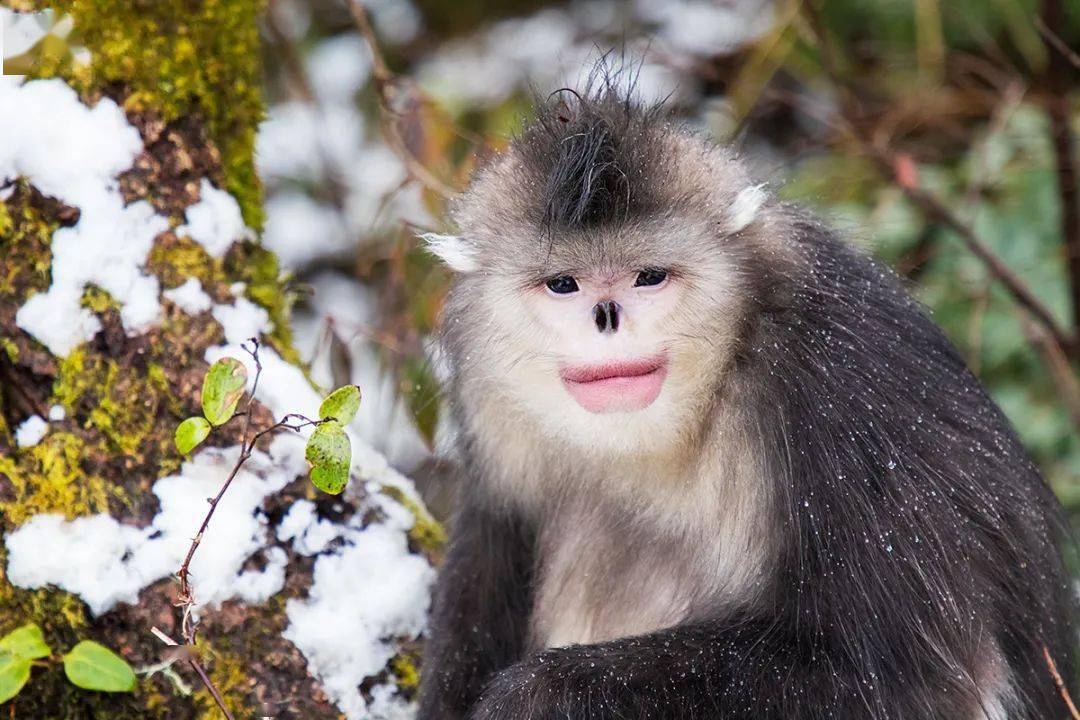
(26, 643)
(341, 405)
(330, 454)
(95, 667)
(222, 388)
(14, 672)
(190, 433)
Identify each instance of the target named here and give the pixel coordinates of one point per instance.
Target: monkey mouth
(622, 386)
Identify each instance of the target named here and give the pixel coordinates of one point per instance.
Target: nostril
(606, 315)
(600, 316)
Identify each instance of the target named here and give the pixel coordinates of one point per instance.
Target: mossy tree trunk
(187, 75)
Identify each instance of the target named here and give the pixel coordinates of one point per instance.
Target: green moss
(175, 260)
(427, 532)
(49, 478)
(6, 223)
(126, 412)
(121, 405)
(10, 348)
(177, 58)
(25, 252)
(64, 621)
(406, 674)
(166, 60)
(228, 669)
(98, 300)
(71, 384)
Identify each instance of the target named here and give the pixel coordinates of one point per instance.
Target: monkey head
(602, 266)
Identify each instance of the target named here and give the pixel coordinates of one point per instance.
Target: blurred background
(938, 134)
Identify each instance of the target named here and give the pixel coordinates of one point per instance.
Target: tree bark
(187, 75)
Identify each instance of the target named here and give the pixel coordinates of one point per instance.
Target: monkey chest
(599, 583)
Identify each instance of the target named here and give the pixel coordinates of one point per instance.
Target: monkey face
(610, 338)
(602, 282)
(615, 360)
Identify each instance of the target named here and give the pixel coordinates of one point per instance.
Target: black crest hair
(594, 151)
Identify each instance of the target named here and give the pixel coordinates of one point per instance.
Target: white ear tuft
(745, 207)
(453, 251)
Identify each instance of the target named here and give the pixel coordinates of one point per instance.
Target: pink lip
(616, 387)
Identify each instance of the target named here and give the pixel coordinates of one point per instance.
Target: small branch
(1075, 714)
(1057, 107)
(198, 668)
(186, 598)
(933, 208)
(1065, 380)
(1058, 44)
(385, 82)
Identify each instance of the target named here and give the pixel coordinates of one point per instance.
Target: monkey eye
(562, 285)
(650, 276)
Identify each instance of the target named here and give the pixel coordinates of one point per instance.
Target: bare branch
(935, 209)
(199, 670)
(1057, 107)
(1075, 714)
(1060, 370)
(1058, 44)
(385, 82)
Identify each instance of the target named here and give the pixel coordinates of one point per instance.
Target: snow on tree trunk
(129, 259)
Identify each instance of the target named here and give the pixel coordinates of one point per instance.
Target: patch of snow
(297, 140)
(86, 556)
(73, 153)
(57, 413)
(242, 320)
(699, 27)
(189, 297)
(215, 221)
(339, 67)
(30, 431)
(363, 596)
(106, 562)
(397, 21)
(300, 230)
(543, 49)
(310, 534)
(293, 17)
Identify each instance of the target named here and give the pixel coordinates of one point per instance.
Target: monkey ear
(745, 207)
(458, 255)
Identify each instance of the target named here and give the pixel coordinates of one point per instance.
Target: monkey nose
(606, 316)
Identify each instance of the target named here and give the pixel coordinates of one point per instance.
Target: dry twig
(1060, 684)
(1057, 107)
(385, 84)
